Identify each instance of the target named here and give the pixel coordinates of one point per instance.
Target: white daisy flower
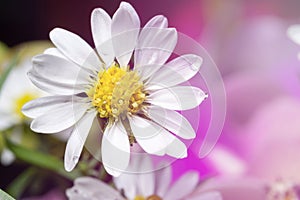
(136, 100)
(293, 33)
(151, 185)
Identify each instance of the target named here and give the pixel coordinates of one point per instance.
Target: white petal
(139, 179)
(115, 149)
(54, 52)
(59, 119)
(77, 139)
(177, 98)
(158, 21)
(125, 30)
(146, 178)
(128, 183)
(206, 196)
(93, 141)
(75, 48)
(59, 69)
(154, 47)
(64, 135)
(42, 105)
(101, 31)
(87, 188)
(7, 157)
(162, 180)
(188, 181)
(171, 120)
(151, 137)
(175, 72)
(294, 33)
(54, 87)
(176, 148)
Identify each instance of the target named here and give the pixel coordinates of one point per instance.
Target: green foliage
(6, 72)
(42, 160)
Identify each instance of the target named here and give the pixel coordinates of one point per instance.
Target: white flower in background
(16, 91)
(293, 33)
(136, 100)
(150, 185)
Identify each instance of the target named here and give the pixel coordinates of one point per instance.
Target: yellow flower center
(139, 198)
(20, 101)
(117, 91)
(152, 197)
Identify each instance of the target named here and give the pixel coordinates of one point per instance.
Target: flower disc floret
(117, 91)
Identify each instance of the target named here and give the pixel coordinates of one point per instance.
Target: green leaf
(5, 196)
(7, 71)
(19, 184)
(41, 160)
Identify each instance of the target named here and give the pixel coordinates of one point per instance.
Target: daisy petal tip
(184, 154)
(56, 33)
(70, 164)
(113, 172)
(191, 135)
(205, 95)
(53, 32)
(198, 61)
(161, 18)
(158, 21)
(25, 109)
(201, 94)
(98, 12)
(179, 155)
(125, 4)
(33, 127)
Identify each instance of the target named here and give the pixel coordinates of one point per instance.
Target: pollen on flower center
(152, 197)
(117, 91)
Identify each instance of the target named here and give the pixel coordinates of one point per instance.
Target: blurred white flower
(137, 102)
(16, 91)
(294, 34)
(143, 184)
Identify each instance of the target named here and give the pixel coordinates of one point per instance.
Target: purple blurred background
(32, 19)
(248, 42)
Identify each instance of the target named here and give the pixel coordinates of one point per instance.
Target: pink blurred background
(259, 65)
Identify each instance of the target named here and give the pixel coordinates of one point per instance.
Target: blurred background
(258, 151)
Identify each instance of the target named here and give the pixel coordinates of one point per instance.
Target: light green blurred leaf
(7, 71)
(17, 187)
(5, 196)
(41, 160)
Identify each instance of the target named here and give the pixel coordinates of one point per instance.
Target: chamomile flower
(150, 185)
(136, 100)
